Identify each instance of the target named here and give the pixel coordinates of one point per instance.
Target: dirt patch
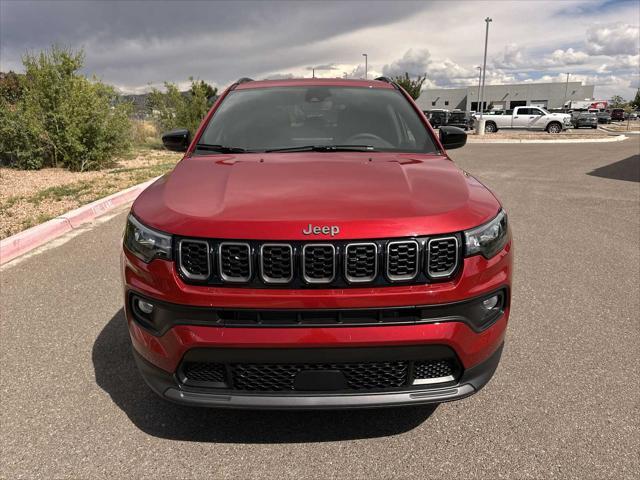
(28, 198)
(633, 126)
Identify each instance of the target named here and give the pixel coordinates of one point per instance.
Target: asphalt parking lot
(564, 402)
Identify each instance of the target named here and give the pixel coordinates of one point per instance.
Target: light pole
(566, 89)
(484, 76)
(479, 80)
(313, 72)
(366, 61)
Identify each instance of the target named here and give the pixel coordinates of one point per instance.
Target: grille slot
(433, 371)
(319, 263)
(361, 262)
(281, 377)
(235, 261)
(194, 258)
(442, 256)
(197, 373)
(276, 263)
(402, 260)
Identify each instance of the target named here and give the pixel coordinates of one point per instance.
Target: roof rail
(244, 80)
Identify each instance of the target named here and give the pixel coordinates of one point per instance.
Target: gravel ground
(564, 402)
(31, 197)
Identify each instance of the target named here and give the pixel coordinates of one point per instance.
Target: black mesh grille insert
(402, 260)
(433, 369)
(319, 263)
(277, 263)
(361, 262)
(203, 372)
(194, 258)
(359, 376)
(235, 261)
(443, 256)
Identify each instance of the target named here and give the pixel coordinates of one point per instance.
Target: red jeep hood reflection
(275, 196)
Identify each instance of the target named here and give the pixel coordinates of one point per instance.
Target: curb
(617, 138)
(27, 240)
(623, 132)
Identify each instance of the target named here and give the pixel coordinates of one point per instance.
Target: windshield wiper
(325, 148)
(220, 148)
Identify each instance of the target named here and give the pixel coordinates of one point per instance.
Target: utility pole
(484, 76)
(313, 72)
(366, 62)
(566, 89)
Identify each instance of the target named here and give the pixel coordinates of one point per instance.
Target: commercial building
(504, 97)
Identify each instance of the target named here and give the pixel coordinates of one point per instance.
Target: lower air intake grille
(194, 259)
(318, 263)
(203, 372)
(235, 262)
(359, 376)
(433, 369)
(443, 256)
(402, 260)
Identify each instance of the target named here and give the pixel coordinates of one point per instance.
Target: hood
(277, 196)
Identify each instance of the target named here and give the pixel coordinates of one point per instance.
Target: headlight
(488, 239)
(145, 243)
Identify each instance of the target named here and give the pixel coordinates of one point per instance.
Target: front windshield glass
(287, 117)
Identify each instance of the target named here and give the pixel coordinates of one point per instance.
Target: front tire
(490, 127)
(554, 127)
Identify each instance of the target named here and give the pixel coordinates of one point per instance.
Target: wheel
(595, 126)
(490, 127)
(554, 127)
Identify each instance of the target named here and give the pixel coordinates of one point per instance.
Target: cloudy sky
(135, 44)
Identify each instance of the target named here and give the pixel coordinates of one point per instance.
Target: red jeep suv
(316, 248)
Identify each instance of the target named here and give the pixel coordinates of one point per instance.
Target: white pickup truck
(528, 118)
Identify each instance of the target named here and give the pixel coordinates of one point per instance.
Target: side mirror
(176, 140)
(452, 137)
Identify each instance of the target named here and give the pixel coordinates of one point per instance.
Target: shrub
(62, 119)
(412, 87)
(174, 109)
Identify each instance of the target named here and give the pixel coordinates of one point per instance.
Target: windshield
(287, 117)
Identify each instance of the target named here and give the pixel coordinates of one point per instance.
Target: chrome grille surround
(453, 268)
(394, 277)
(181, 264)
(355, 279)
(222, 266)
(305, 259)
(270, 279)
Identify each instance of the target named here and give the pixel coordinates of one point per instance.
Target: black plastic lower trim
(166, 385)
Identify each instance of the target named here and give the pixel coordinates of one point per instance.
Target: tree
(412, 87)
(618, 102)
(10, 86)
(62, 119)
(175, 109)
(636, 101)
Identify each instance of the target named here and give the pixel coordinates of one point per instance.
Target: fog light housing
(491, 302)
(145, 307)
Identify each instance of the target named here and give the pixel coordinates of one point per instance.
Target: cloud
(569, 56)
(512, 58)
(415, 62)
(613, 39)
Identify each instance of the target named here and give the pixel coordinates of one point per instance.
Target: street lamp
(366, 61)
(484, 75)
(566, 88)
(479, 79)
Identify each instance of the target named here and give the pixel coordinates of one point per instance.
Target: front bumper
(165, 385)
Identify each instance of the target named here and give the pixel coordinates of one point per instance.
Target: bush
(174, 109)
(62, 119)
(412, 87)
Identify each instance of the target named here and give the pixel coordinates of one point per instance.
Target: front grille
(281, 377)
(330, 264)
(276, 263)
(402, 260)
(442, 256)
(319, 263)
(361, 262)
(235, 261)
(194, 259)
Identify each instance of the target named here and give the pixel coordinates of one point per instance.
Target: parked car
(316, 247)
(604, 117)
(459, 119)
(528, 118)
(585, 119)
(617, 114)
(437, 118)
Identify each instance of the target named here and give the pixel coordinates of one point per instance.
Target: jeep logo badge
(332, 230)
